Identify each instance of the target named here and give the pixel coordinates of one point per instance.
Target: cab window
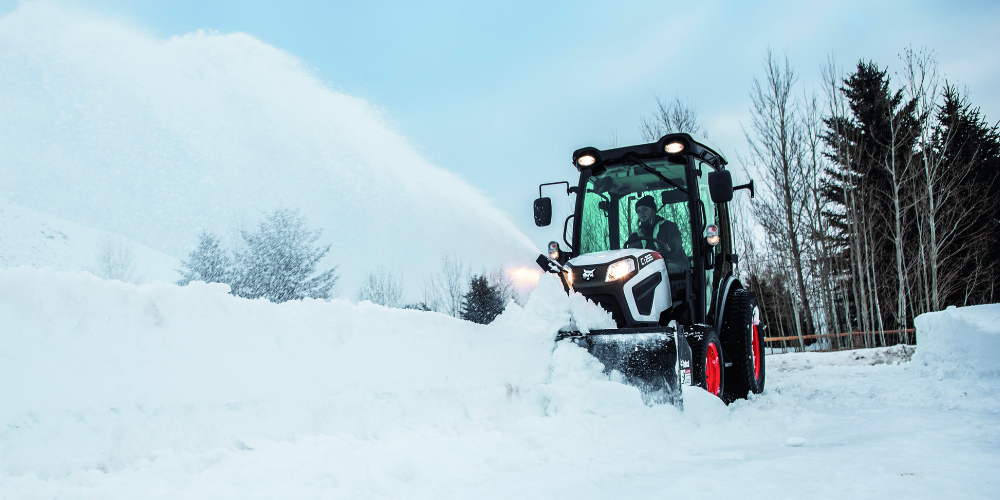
(609, 215)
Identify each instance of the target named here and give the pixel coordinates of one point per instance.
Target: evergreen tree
(868, 149)
(969, 149)
(483, 302)
(279, 259)
(208, 262)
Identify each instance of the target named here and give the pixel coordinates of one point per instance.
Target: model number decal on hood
(648, 258)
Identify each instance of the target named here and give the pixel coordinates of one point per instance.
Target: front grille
(599, 273)
(644, 293)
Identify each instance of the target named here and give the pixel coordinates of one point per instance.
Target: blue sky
(502, 92)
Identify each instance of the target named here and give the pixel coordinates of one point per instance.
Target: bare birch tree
(499, 279)
(818, 236)
(116, 260)
(670, 117)
(443, 292)
(777, 152)
(382, 286)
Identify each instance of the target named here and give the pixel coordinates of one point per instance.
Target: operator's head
(645, 207)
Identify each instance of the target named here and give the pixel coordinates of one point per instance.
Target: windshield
(614, 202)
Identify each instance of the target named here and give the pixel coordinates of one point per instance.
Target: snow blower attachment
(652, 245)
(656, 360)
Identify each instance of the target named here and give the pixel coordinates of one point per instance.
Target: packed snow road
(118, 391)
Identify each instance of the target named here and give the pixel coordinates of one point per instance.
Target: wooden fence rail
(854, 340)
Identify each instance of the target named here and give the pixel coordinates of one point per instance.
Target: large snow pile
(960, 342)
(156, 139)
(114, 391)
(30, 238)
(98, 374)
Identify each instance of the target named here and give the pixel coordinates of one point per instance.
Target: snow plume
(31, 238)
(156, 139)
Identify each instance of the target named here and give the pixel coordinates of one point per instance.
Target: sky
(501, 94)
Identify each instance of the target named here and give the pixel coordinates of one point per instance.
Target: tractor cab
(651, 243)
(685, 177)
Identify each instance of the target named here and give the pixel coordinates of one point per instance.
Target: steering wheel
(661, 247)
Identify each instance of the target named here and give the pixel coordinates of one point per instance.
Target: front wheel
(743, 338)
(706, 359)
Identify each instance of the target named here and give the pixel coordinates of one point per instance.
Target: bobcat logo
(588, 274)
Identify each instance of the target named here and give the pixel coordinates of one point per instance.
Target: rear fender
(729, 282)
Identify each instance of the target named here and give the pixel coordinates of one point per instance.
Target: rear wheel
(743, 339)
(706, 360)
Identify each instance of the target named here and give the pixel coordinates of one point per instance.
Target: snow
(155, 139)
(31, 238)
(961, 342)
(795, 441)
(113, 390)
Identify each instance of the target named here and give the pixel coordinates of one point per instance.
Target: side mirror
(720, 185)
(543, 212)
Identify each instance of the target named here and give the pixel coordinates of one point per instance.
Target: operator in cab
(656, 233)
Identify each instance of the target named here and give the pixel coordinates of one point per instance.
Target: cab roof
(693, 145)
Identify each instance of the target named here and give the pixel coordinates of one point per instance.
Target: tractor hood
(605, 257)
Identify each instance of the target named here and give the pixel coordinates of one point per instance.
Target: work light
(554, 250)
(712, 235)
(673, 147)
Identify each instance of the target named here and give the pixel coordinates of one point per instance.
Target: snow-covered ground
(112, 390)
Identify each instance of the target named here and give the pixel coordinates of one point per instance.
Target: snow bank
(960, 341)
(112, 390)
(98, 374)
(892, 355)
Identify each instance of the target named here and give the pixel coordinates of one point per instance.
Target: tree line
(877, 199)
(278, 261)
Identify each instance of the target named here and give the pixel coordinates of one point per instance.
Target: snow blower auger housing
(652, 245)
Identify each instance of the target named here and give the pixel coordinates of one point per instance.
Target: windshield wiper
(635, 159)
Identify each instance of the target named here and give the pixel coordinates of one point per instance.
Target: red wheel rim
(756, 343)
(756, 354)
(712, 369)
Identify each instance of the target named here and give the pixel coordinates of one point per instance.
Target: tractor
(652, 245)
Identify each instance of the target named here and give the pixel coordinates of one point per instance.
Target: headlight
(620, 269)
(586, 160)
(712, 235)
(673, 147)
(569, 276)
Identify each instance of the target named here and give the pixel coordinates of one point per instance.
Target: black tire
(743, 340)
(707, 366)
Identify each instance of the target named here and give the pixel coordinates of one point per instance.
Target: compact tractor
(652, 245)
